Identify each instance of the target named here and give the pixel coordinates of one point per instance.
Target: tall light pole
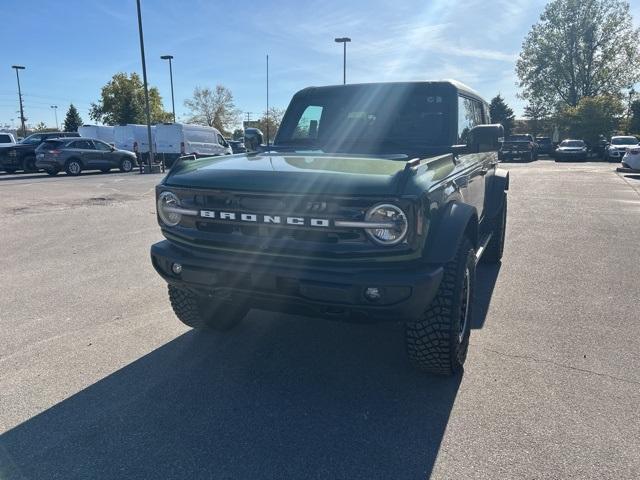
(173, 105)
(267, 112)
(55, 112)
(20, 67)
(344, 41)
(146, 88)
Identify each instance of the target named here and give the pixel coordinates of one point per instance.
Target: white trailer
(176, 139)
(101, 132)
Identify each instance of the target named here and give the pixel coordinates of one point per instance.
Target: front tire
(438, 341)
(203, 313)
(126, 165)
(498, 227)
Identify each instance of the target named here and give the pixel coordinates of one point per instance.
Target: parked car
(618, 147)
(73, 155)
(134, 138)
(106, 133)
(22, 156)
(520, 146)
(631, 158)
(545, 145)
(253, 138)
(6, 138)
(237, 146)
(387, 224)
(176, 139)
(571, 150)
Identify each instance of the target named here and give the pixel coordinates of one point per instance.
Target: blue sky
(71, 48)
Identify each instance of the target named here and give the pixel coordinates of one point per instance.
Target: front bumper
(312, 290)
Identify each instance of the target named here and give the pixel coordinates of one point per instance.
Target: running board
(483, 245)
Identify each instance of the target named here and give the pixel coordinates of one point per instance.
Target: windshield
(624, 141)
(518, 138)
(368, 119)
(572, 143)
(32, 139)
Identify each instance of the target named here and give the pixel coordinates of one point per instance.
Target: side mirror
(485, 138)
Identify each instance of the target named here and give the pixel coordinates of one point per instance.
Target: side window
(221, 140)
(102, 146)
(83, 145)
(307, 127)
(469, 115)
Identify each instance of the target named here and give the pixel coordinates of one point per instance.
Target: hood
(569, 149)
(292, 173)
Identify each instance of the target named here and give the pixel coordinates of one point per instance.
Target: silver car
(73, 155)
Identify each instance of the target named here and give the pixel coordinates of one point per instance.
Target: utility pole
(344, 41)
(55, 112)
(22, 119)
(173, 105)
(146, 88)
(267, 112)
(249, 116)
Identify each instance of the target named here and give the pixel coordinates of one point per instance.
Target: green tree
(271, 120)
(593, 117)
(214, 108)
(501, 113)
(41, 127)
(537, 116)
(72, 120)
(579, 48)
(122, 101)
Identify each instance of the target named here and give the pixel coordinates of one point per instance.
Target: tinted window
(52, 144)
(31, 139)
(83, 145)
(572, 143)
(5, 138)
(381, 119)
(624, 141)
(102, 146)
(221, 140)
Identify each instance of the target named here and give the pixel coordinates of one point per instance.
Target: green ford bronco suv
(375, 203)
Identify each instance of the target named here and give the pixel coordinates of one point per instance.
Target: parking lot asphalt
(99, 380)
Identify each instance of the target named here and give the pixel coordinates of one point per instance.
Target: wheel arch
(458, 221)
(499, 183)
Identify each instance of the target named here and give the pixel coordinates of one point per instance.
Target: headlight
(167, 205)
(390, 215)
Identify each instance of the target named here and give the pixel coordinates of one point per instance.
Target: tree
(501, 113)
(579, 48)
(537, 115)
(214, 108)
(72, 120)
(272, 120)
(634, 122)
(593, 117)
(122, 101)
(41, 127)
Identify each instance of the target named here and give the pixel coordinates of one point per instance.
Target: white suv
(618, 147)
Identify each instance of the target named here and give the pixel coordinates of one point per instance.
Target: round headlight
(167, 201)
(387, 213)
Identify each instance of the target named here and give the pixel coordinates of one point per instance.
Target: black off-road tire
(30, 164)
(498, 226)
(203, 313)
(437, 342)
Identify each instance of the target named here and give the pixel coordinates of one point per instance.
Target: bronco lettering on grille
(265, 219)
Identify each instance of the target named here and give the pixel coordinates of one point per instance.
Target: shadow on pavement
(42, 175)
(279, 397)
(486, 277)
(633, 177)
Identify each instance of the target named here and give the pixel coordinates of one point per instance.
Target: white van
(101, 132)
(176, 139)
(134, 138)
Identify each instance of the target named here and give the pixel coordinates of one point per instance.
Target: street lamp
(22, 119)
(55, 112)
(146, 87)
(173, 105)
(343, 41)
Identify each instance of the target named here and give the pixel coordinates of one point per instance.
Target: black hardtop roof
(459, 86)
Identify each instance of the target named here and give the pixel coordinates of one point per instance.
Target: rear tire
(30, 164)
(203, 313)
(126, 165)
(52, 172)
(73, 167)
(438, 342)
(498, 226)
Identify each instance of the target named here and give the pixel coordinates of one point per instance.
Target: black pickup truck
(521, 146)
(375, 203)
(22, 156)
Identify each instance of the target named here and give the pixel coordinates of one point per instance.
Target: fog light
(176, 268)
(372, 294)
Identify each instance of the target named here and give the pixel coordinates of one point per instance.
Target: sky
(71, 48)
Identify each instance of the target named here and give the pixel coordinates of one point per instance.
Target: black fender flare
(459, 219)
(499, 183)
